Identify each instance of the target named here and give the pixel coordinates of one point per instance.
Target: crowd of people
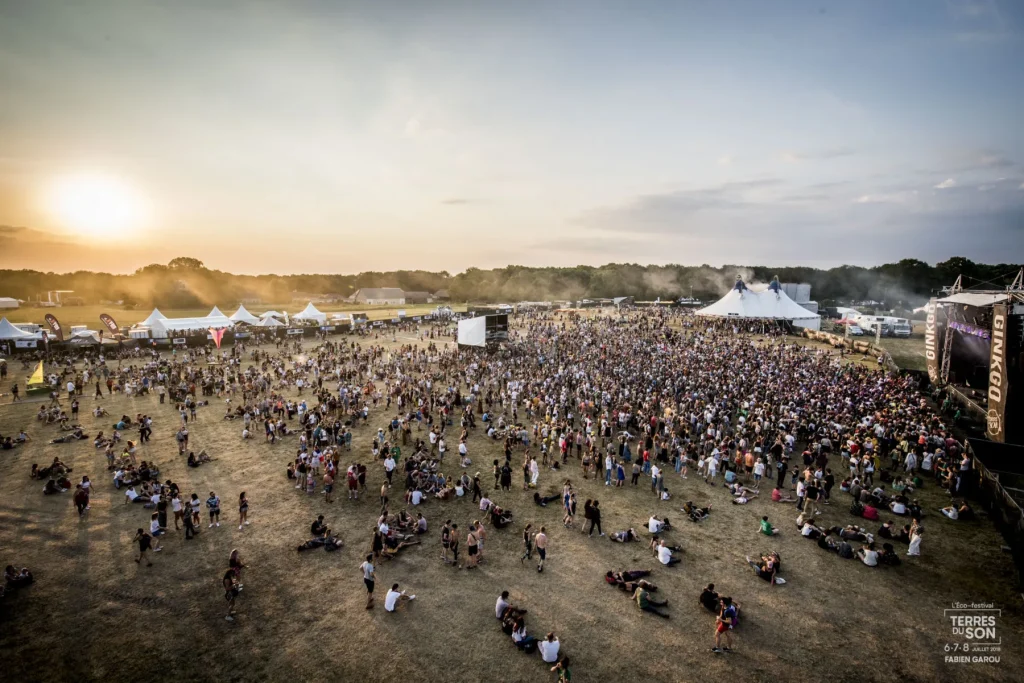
(650, 395)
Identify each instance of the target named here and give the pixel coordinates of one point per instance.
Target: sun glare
(95, 205)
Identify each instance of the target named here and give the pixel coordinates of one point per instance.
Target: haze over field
(345, 137)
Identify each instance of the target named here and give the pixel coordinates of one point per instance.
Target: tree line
(187, 283)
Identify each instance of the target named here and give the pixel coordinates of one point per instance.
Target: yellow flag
(37, 376)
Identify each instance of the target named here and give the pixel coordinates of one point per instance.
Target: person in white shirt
(501, 605)
(665, 555)
(868, 555)
(416, 497)
(389, 467)
(656, 526)
(549, 648)
(394, 597)
(485, 503)
(915, 541)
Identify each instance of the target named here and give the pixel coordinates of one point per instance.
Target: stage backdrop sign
(109, 322)
(180, 341)
(294, 331)
(55, 326)
(932, 341)
(997, 379)
(26, 343)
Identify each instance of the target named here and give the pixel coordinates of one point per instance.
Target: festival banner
(997, 379)
(217, 335)
(109, 322)
(36, 379)
(933, 341)
(55, 326)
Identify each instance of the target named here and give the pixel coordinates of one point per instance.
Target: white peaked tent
(769, 303)
(310, 312)
(244, 316)
(272, 314)
(9, 331)
(153, 317)
(270, 322)
(215, 313)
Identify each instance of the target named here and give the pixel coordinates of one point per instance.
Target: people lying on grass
(58, 485)
(197, 460)
(630, 576)
(627, 536)
(646, 603)
(16, 578)
(66, 426)
(544, 500)
(695, 513)
(852, 532)
(656, 526)
(868, 555)
(76, 435)
(766, 528)
(810, 531)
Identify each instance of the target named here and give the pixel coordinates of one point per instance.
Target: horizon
(301, 139)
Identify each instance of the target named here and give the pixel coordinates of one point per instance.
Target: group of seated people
(57, 469)
(396, 532)
(75, 435)
(633, 584)
(131, 475)
(15, 578)
(513, 623)
(197, 460)
(51, 415)
(322, 537)
(959, 511)
(102, 441)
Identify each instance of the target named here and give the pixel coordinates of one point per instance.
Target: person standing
(527, 544)
(213, 505)
(243, 510)
(81, 499)
(595, 518)
(454, 545)
(231, 589)
(723, 626)
(541, 541)
(368, 579)
(446, 540)
(145, 542)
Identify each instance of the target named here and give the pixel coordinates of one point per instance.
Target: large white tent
(310, 312)
(161, 329)
(768, 303)
(215, 313)
(270, 322)
(244, 316)
(153, 317)
(9, 331)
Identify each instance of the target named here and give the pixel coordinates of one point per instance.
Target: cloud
(946, 184)
(994, 161)
(725, 161)
(1021, 186)
(456, 201)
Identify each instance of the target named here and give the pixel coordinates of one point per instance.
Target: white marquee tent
(310, 312)
(215, 313)
(153, 317)
(9, 331)
(270, 322)
(161, 329)
(244, 316)
(272, 314)
(769, 303)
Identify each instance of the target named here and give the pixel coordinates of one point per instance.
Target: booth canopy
(162, 328)
(270, 322)
(215, 313)
(244, 316)
(9, 331)
(153, 317)
(310, 312)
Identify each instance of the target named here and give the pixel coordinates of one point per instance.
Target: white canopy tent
(270, 322)
(244, 316)
(161, 329)
(9, 331)
(215, 313)
(769, 303)
(274, 314)
(310, 312)
(153, 317)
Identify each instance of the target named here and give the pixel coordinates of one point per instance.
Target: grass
(90, 315)
(94, 614)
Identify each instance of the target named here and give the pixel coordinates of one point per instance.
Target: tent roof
(975, 299)
(275, 314)
(153, 317)
(270, 322)
(310, 311)
(770, 303)
(244, 316)
(192, 323)
(9, 331)
(215, 313)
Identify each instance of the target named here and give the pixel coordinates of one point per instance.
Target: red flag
(217, 335)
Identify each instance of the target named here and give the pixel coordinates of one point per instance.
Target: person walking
(595, 518)
(368, 579)
(145, 542)
(541, 541)
(527, 543)
(231, 590)
(243, 510)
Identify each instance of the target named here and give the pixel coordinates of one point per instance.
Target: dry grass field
(93, 614)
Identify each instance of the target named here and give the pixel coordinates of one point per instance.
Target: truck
(891, 327)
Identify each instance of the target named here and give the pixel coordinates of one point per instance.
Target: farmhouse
(418, 298)
(379, 295)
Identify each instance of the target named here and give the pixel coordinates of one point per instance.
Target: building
(8, 302)
(375, 296)
(418, 298)
(441, 295)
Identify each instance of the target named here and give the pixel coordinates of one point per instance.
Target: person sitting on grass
(562, 668)
(549, 648)
(868, 555)
(695, 513)
(627, 536)
(888, 556)
(665, 554)
(656, 526)
(779, 497)
(16, 578)
(500, 518)
(961, 511)
(197, 460)
(522, 640)
(710, 599)
(646, 604)
(766, 527)
(768, 568)
(393, 544)
(394, 598)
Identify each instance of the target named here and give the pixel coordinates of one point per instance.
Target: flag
(37, 376)
(109, 322)
(217, 335)
(55, 326)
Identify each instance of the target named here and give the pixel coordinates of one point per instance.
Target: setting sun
(94, 204)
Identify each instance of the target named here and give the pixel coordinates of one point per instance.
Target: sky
(290, 137)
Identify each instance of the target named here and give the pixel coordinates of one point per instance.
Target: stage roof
(975, 298)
